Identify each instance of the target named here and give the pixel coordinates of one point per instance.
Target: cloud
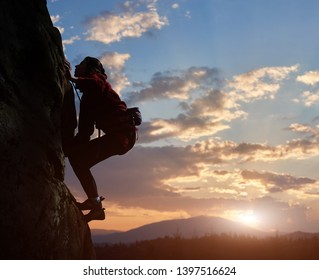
(152, 166)
(55, 19)
(310, 98)
(179, 85)
(71, 40)
(109, 27)
(204, 109)
(175, 6)
(156, 166)
(308, 144)
(309, 78)
(229, 152)
(247, 87)
(217, 151)
(114, 63)
(114, 60)
(261, 83)
(206, 115)
(182, 127)
(207, 102)
(277, 182)
(188, 15)
(304, 129)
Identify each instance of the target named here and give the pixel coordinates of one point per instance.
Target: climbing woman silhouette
(100, 107)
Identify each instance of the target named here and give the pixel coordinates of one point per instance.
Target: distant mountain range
(185, 228)
(99, 235)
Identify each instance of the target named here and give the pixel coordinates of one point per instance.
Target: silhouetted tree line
(214, 247)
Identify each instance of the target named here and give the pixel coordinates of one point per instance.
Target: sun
(249, 218)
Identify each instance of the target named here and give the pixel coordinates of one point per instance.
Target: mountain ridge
(185, 228)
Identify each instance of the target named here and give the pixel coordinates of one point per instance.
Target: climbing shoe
(96, 214)
(90, 204)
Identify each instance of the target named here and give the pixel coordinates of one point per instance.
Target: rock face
(38, 216)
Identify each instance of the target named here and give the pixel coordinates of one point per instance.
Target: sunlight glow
(249, 218)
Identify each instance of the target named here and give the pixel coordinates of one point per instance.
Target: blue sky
(229, 95)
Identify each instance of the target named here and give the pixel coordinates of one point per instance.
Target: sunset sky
(229, 92)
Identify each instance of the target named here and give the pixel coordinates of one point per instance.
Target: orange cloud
(275, 182)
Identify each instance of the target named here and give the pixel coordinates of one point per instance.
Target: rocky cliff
(38, 216)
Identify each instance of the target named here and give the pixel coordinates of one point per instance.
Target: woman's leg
(83, 173)
(88, 155)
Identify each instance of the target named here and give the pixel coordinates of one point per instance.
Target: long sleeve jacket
(98, 98)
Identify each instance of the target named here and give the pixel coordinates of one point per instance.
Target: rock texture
(38, 216)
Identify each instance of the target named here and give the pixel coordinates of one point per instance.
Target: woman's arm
(68, 71)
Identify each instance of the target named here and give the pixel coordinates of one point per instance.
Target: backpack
(107, 118)
(134, 115)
